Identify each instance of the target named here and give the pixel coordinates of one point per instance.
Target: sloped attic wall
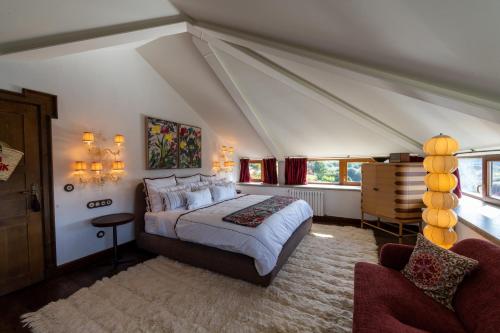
(178, 61)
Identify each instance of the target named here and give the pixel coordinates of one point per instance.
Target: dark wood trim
(89, 260)
(46, 105)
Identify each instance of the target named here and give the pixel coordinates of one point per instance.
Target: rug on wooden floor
(312, 293)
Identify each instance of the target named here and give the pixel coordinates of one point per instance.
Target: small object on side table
(113, 220)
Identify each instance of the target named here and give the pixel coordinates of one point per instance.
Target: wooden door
(21, 228)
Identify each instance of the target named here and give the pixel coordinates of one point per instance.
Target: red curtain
(458, 189)
(296, 171)
(244, 170)
(269, 171)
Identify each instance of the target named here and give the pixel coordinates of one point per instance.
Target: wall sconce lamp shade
(119, 139)
(96, 166)
(230, 150)
(80, 166)
(216, 165)
(228, 164)
(88, 137)
(118, 166)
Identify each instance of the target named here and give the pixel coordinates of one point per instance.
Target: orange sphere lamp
(439, 199)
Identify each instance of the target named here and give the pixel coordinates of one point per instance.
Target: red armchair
(385, 301)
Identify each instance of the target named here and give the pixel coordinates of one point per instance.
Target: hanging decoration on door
(9, 159)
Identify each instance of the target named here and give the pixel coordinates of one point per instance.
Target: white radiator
(316, 199)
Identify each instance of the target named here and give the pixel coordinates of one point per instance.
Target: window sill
(308, 186)
(481, 217)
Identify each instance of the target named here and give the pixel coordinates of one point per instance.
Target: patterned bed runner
(254, 215)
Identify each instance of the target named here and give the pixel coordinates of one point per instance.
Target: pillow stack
(169, 193)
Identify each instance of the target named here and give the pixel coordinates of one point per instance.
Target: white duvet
(205, 226)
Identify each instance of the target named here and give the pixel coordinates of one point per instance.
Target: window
(471, 175)
(335, 171)
(480, 177)
(255, 170)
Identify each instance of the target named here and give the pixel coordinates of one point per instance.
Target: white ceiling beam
(461, 101)
(136, 33)
(315, 92)
(213, 59)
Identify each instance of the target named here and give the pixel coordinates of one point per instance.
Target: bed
(171, 234)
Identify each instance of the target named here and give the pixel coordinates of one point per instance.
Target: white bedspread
(205, 226)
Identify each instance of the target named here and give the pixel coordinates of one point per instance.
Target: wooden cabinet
(393, 192)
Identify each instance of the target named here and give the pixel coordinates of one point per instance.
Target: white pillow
(198, 198)
(189, 179)
(153, 188)
(223, 192)
(210, 179)
(198, 186)
(174, 199)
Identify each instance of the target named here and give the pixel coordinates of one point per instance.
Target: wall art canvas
(162, 144)
(189, 146)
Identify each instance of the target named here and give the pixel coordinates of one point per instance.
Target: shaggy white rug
(312, 293)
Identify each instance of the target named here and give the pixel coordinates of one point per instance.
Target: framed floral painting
(189, 146)
(162, 144)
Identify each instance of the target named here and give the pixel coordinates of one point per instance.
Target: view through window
(255, 171)
(323, 171)
(471, 175)
(494, 179)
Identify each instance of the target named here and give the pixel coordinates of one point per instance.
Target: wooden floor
(32, 298)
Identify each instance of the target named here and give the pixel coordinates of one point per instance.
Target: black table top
(112, 220)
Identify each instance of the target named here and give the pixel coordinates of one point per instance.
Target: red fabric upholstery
(477, 300)
(395, 256)
(458, 189)
(244, 170)
(269, 171)
(385, 301)
(296, 171)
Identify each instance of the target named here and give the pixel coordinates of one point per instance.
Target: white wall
(106, 91)
(464, 232)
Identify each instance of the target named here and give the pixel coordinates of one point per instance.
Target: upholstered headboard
(139, 209)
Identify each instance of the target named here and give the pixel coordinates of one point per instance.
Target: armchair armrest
(395, 256)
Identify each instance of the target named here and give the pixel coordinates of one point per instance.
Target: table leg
(115, 248)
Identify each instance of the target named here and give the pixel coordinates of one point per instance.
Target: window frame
(255, 180)
(486, 176)
(342, 169)
(487, 159)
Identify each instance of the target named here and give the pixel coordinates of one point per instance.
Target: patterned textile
(437, 271)
(254, 215)
(210, 179)
(198, 199)
(197, 186)
(174, 199)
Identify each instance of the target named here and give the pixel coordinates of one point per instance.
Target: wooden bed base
(224, 262)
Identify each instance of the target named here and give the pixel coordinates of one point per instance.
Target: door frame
(46, 105)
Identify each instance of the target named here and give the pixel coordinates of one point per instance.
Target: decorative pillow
(188, 179)
(210, 179)
(437, 271)
(198, 198)
(174, 199)
(222, 192)
(153, 187)
(198, 186)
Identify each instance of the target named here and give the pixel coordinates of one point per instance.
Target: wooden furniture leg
(400, 237)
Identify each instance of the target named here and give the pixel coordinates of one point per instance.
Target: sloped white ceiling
(28, 19)
(455, 42)
(417, 119)
(178, 61)
(299, 125)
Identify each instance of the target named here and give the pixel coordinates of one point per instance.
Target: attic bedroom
(249, 166)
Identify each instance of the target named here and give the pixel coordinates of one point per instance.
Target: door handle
(375, 189)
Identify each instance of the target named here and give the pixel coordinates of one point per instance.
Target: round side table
(113, 220)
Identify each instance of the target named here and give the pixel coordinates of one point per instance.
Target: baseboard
(87, 260)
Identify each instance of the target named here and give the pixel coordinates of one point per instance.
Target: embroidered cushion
(437, 271)
(174, 199)
(189, 179)
(153, 187)
(198, 186)
(198, 199)
(223, 192)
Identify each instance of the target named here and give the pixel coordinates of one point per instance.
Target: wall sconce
(226, 163)
(100, 170)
